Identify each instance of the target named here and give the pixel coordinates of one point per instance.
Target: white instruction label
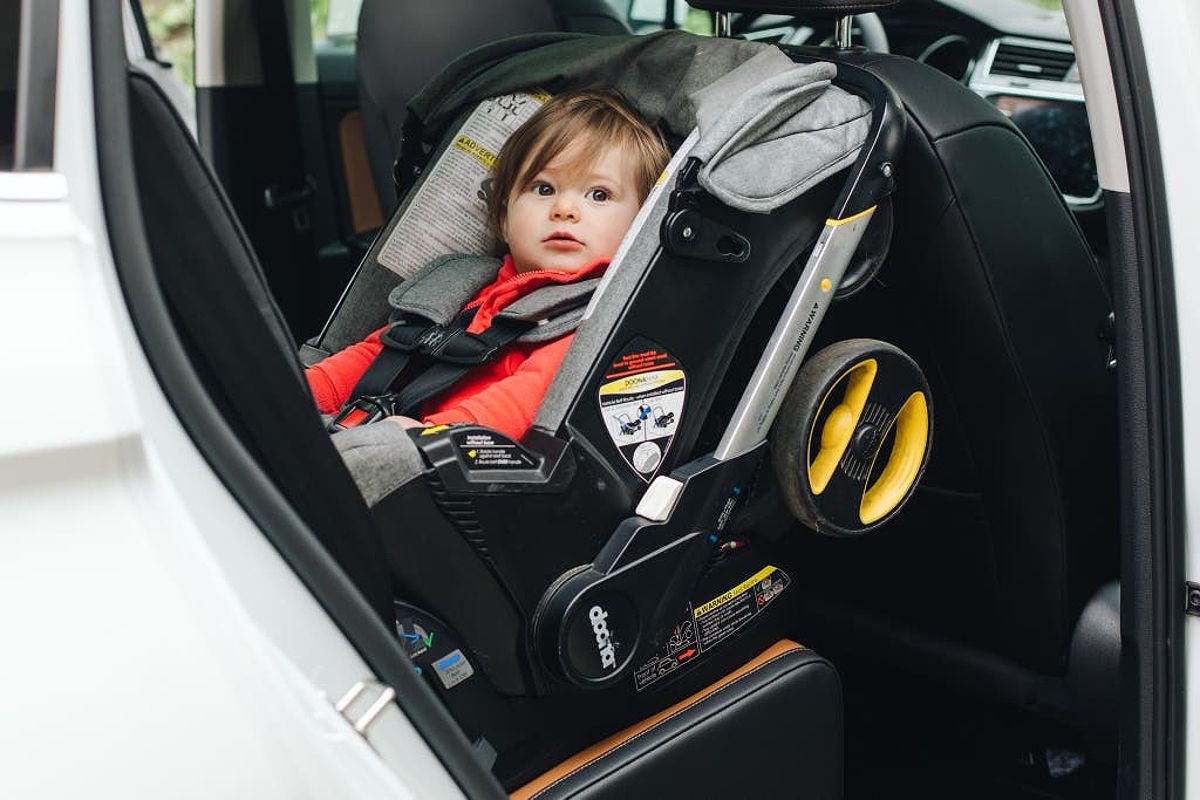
(448, 214)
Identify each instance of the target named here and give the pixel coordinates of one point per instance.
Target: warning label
(642, 404)
(487, 450)
(705, 626)
(448, 213)
(453, 669)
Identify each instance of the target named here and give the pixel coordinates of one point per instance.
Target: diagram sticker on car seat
(641, 403)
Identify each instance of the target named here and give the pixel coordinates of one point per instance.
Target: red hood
(511, 285)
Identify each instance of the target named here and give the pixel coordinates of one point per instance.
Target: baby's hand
(407, 422)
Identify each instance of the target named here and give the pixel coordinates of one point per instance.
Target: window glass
(335, 19)
(645, 16)
(170, 23)
(10, 27)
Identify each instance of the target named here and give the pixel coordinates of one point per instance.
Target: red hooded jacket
(502, 394)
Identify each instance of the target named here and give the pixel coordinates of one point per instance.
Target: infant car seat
(595, 553)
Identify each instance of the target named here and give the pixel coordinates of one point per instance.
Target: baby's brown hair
(598, 118)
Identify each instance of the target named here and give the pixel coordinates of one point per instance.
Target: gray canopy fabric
(769, 128)
(772, 129)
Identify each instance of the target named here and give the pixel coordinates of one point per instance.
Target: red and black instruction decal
(641, 403)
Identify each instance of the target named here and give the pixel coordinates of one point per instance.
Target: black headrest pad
(833, 7)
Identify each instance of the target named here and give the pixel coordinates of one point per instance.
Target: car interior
(963, 642)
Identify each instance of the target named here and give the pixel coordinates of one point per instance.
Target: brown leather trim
(606, 746)
(366, 214)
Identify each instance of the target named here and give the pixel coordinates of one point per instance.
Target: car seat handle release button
(689, 233)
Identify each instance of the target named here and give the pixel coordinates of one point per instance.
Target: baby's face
(571, 215)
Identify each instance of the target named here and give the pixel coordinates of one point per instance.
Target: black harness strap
(401, 341)
(448, 354)
(457, 356)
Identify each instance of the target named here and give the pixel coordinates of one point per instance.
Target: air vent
(1031, 62)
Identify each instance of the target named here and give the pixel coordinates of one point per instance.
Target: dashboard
(1016, 54)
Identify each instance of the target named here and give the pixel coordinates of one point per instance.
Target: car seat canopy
(785, 131)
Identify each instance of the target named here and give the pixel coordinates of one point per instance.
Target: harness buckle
(363, 411)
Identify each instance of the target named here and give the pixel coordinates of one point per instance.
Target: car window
(335, 19)
(646, 16)
(10, 25)
(28, 78)
(169, 27)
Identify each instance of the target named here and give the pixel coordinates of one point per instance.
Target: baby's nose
(564, 208)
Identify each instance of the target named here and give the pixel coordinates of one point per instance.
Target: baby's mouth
(561, 240)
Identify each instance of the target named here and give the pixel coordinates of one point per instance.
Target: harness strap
(461, 354)
(401, 341)
(430, 357)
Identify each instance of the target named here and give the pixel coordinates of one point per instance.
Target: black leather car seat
(404, 43)
(991, 287)
(771, 728)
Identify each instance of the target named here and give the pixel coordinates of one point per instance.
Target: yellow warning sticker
(735, 592)
(475, 150)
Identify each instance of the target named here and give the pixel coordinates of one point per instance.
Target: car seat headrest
(832, 7)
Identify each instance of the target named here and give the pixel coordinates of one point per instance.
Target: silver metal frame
(843, 32)
(723, 24)
(789, 343)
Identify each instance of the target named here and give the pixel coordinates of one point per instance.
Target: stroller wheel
(853, 436)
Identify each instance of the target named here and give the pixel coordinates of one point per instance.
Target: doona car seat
(597, 555)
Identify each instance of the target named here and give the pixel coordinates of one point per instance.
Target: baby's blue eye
(543, 189)
(598, 195)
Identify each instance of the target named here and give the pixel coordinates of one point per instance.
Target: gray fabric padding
(310, 355)
(657, 73)
(778, 137)
(549, 301)
(381, 457)
(553, 328)
(440, 290)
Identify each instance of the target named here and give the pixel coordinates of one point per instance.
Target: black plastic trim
(37, 81)
(221, 448)
(1152, 745)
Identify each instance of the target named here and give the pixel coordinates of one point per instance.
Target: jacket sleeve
(333, 379)
(509, 404)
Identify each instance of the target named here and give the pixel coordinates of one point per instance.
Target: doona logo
(608, 656)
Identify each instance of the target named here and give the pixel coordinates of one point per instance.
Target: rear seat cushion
(772, 728)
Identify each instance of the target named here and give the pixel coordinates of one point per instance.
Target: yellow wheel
(853, 436)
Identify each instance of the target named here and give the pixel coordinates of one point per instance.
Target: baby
(566, 187)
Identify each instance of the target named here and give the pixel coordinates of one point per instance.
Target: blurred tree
(170, 24)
